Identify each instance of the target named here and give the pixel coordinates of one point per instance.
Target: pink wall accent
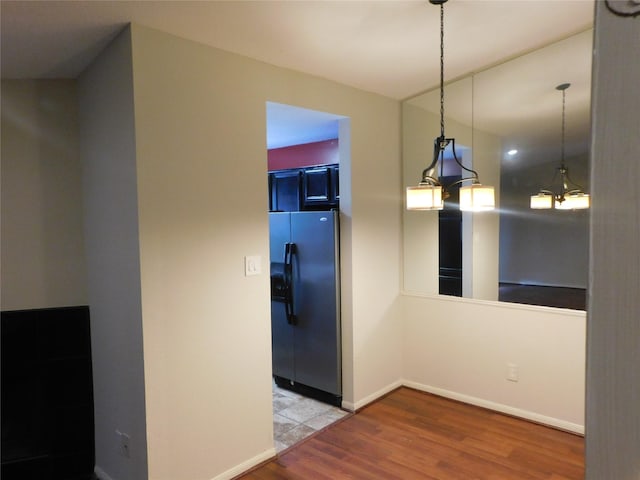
(305, 155)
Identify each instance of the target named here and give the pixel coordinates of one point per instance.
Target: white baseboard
(352, 407)
(498, 407)
(229, 474)
(247, 465)
(101, 474)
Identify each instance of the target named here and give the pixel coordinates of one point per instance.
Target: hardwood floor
(415, 435)
(561, 297)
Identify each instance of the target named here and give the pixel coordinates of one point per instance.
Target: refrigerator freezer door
(281, 330)
(316, 300)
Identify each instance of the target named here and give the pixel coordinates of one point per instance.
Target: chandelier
(430, 192)
(567, 195)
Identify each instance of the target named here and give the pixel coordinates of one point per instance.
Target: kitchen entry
(304, 225)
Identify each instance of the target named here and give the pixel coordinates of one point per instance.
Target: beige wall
(108, 143)
(202, 198)
(42, 242)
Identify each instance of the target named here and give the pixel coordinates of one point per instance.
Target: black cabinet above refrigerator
(284, 191)
(300, 189)
(319, 189)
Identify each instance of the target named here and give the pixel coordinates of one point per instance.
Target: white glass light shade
(541, 201)
(581, 201)
(477, 198)
(574, 201)
(425, 197)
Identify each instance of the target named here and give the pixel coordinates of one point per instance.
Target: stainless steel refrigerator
(305, 303)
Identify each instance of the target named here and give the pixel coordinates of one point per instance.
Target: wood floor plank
(414, 435)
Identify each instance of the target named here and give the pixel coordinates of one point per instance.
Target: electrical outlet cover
(124, 444)
(512, 372)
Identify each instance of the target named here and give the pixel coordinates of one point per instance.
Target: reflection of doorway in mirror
(450, 241)
(450, 226)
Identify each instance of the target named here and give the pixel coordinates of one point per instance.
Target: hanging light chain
(564, 92)
(442, 71)
(431, 193)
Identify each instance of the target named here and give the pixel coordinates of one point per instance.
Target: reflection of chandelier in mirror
(569, 195)
(430, 192)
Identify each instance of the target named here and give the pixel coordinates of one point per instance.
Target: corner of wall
(108, 152)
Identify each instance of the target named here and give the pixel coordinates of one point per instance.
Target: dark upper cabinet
(335, 183)
(320, 188)
(316, 187)
(284, 191)
(313, 188)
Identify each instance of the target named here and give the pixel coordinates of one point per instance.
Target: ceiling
(517, 100)
(389, 47)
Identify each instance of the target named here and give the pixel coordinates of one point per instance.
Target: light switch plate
(252, 265)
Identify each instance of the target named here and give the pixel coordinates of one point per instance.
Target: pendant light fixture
(569, 195)
(430, 192)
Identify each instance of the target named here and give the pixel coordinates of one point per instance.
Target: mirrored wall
(514, 253)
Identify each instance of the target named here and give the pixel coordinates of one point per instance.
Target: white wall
(200, 159)
(481, 231)
(613, 353)
(420, 238)
(460, 348)
(108, 146)
(43, 261)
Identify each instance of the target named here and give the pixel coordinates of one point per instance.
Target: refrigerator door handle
(289, 251)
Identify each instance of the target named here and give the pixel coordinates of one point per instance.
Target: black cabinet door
(284, 189)
(320, 187)
(316, 187)
(335, 184)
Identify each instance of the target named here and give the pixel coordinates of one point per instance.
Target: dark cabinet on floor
(47, 394)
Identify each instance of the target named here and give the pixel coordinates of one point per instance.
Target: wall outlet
(513, 373)
(124, 444)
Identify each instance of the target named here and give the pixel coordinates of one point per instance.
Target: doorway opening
(304, 152)
(450, 227)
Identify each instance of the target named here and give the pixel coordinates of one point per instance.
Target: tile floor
(296, 417)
